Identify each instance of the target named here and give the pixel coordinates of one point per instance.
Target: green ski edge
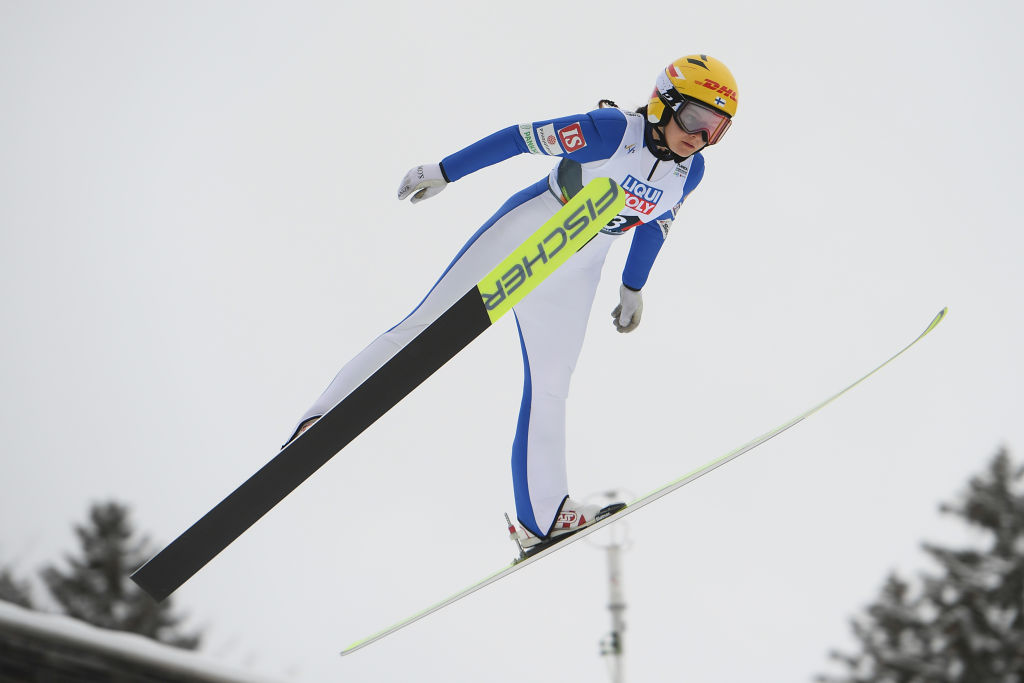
(635, 505)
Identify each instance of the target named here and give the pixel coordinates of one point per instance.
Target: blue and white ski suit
(552, 320)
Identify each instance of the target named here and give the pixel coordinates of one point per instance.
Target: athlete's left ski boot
(572, 517)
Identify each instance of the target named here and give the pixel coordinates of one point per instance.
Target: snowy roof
(64, 633)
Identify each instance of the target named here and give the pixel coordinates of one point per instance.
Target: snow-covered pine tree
(966, 622)
(14, 590)
(95, 586)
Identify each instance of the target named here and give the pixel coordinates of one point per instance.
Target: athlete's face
(679, 141)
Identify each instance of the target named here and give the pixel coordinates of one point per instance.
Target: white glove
(626, 315)
(422, 182)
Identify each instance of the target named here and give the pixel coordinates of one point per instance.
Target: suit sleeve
(649, 237)
(582, 138)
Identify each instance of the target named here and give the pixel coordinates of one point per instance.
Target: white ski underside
(635, 505)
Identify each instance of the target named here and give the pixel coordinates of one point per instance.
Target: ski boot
(572, 517)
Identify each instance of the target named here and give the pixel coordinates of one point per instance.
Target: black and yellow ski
(542, 253)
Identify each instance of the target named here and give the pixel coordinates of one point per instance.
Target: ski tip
(936, 320)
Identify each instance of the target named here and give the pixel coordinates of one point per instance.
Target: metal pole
(612, 644)
(617, 606)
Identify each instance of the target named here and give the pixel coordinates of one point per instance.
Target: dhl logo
(718, 88)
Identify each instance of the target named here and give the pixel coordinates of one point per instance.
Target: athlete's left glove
(422, 182)
(626, 315)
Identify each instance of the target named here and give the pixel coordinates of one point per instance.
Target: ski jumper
(552, 320)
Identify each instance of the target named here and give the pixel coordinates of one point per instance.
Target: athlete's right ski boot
(572, 517)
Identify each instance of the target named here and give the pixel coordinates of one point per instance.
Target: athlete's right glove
(422, 182)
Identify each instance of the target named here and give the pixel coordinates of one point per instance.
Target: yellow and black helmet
(694, 77)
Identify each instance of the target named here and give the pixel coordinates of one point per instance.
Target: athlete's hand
(422, 182)
(626, 315)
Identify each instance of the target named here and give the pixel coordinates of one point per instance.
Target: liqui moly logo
(641, 197)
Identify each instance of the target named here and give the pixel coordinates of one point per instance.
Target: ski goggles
(694, 117)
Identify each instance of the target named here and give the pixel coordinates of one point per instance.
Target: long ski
(520, 563)
(537, 257)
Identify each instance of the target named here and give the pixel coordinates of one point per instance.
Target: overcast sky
(199, 227)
